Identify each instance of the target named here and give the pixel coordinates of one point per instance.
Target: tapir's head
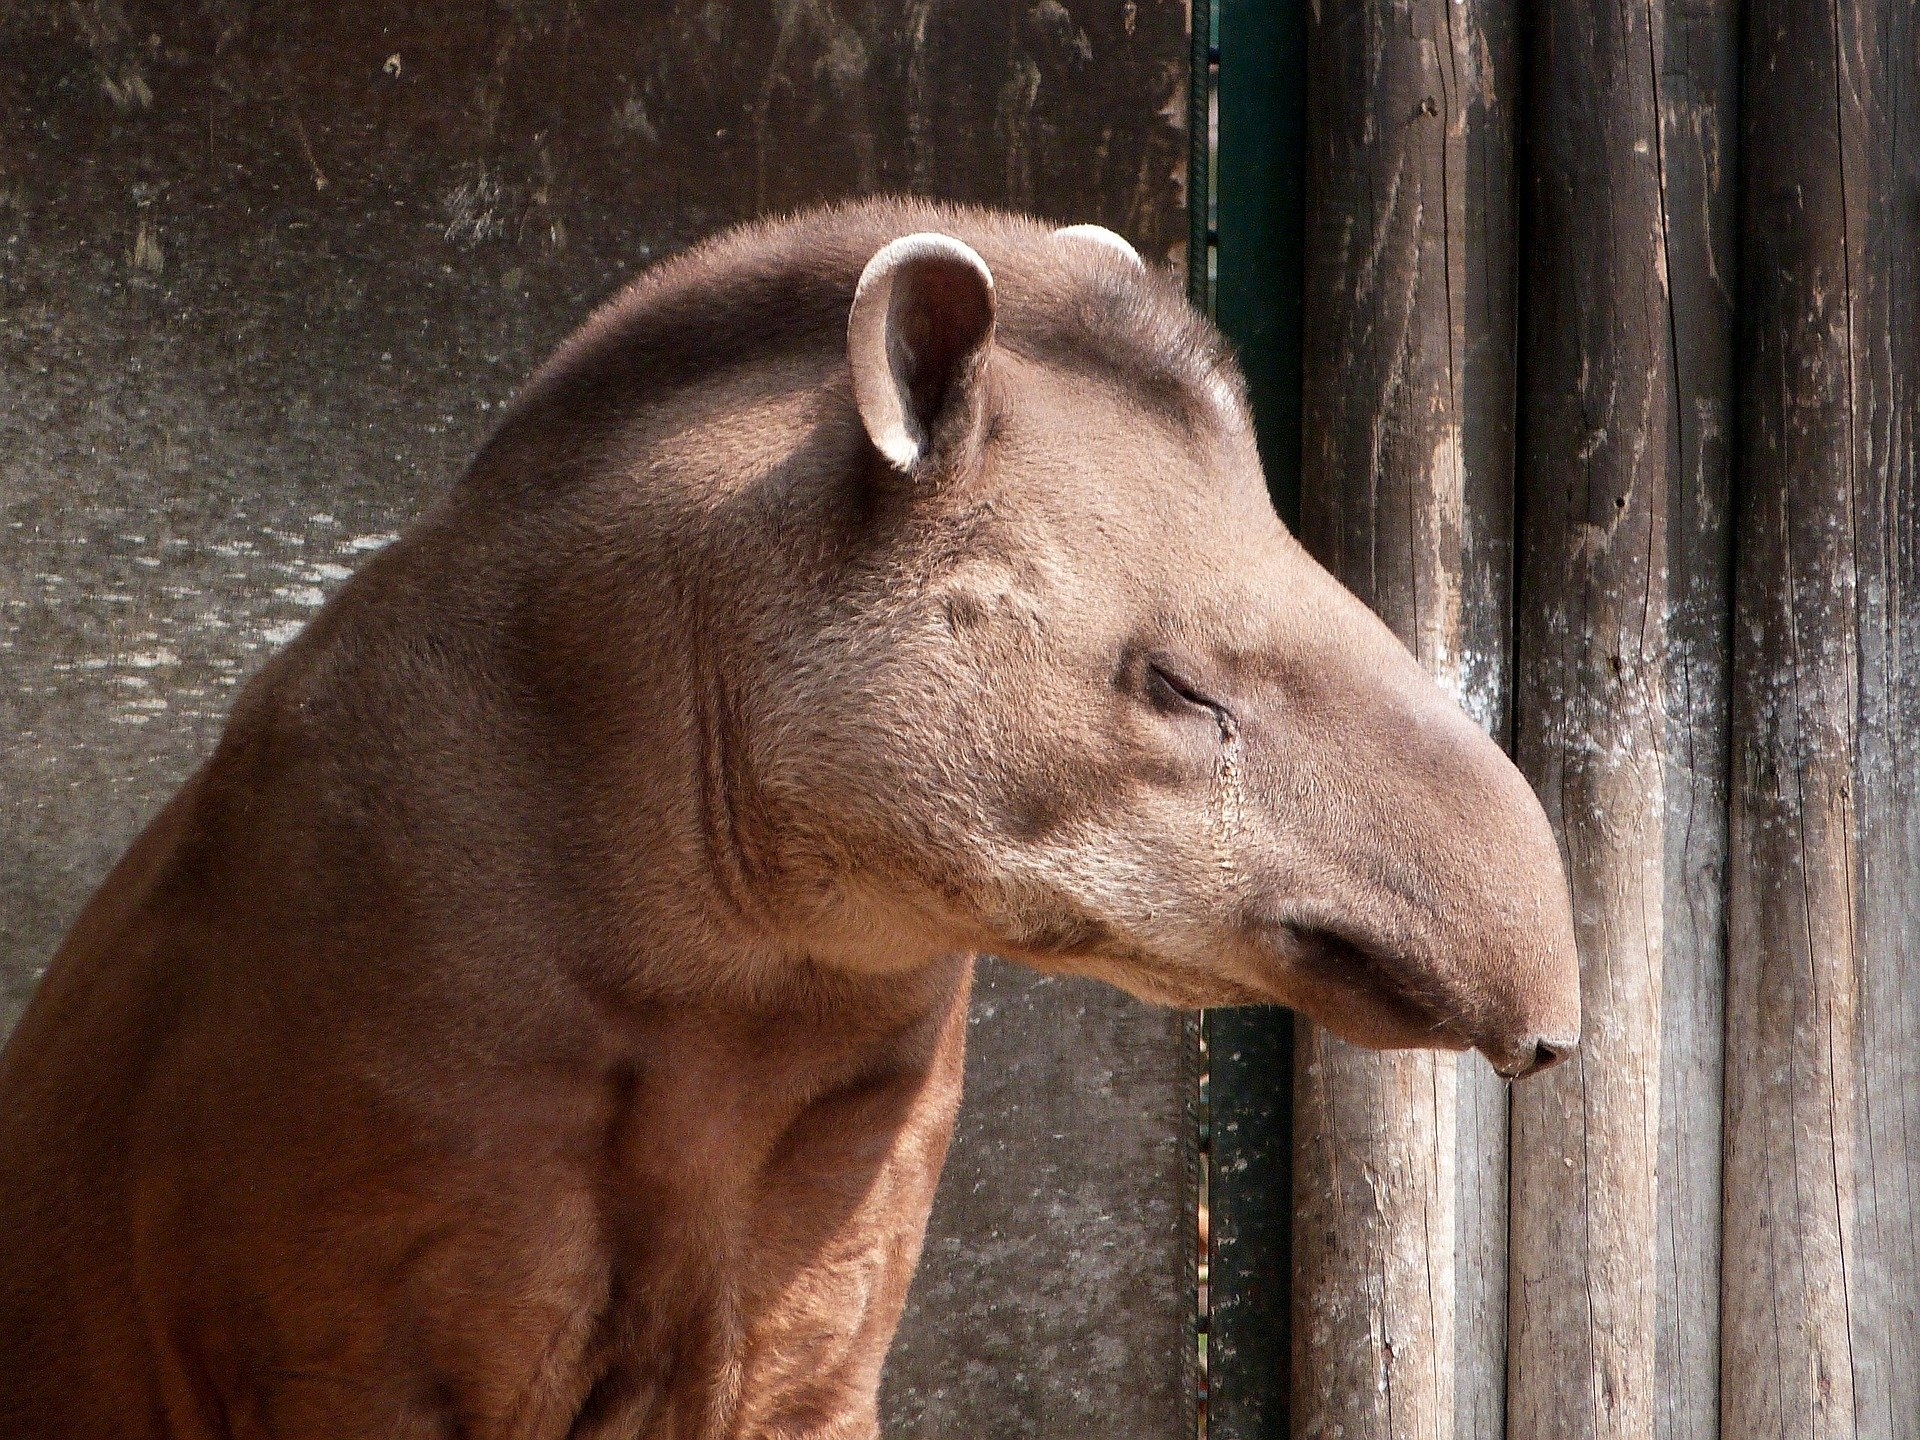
(1092, 707)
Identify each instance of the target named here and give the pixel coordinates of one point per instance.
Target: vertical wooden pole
(1823, 1060)
(1406, 495)
(1481, 114)
(1620, 672)
(1699, 85)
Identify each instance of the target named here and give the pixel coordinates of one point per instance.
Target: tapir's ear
(917, 342)
(1100, 235)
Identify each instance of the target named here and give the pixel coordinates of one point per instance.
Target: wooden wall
(1820, 1295)
(267, 273)
(1612, 390)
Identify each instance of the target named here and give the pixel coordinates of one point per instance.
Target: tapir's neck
(768, 1180)
(657, 1171)
(601, 1212)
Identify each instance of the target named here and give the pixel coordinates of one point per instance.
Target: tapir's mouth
(1374, 995)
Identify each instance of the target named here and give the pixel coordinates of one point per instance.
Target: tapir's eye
(1169, 689)
(1165, 683)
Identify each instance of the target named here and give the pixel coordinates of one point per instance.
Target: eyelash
(1164, 680)
(1176, 687)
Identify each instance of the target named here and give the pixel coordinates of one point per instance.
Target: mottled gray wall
(267, 272)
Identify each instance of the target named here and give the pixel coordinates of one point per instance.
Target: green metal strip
(1250, 1190)
(1258, 290)
(1261, 185)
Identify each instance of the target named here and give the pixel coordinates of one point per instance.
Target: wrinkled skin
(543, 1015)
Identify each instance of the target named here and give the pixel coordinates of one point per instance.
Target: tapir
(542, 1016)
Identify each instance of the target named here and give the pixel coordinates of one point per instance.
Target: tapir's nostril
(1546, 1055)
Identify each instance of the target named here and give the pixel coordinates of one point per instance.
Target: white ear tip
(883, 409)
(1100, 235)
(925, 245)
(901, 449)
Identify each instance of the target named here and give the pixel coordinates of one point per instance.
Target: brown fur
(542, 1016)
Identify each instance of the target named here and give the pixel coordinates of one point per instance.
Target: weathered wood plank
(1823, 1059)
(1699, 84)
(1621, 663)
(268, 271)
(1400, 1161)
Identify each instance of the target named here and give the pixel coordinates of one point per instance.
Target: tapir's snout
(1509, 921)
(1522, 929)
(1435, 909)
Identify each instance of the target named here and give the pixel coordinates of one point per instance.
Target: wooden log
(1821, 1335)
(1400, 1161)
(1621, 678)
(1699, 86)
